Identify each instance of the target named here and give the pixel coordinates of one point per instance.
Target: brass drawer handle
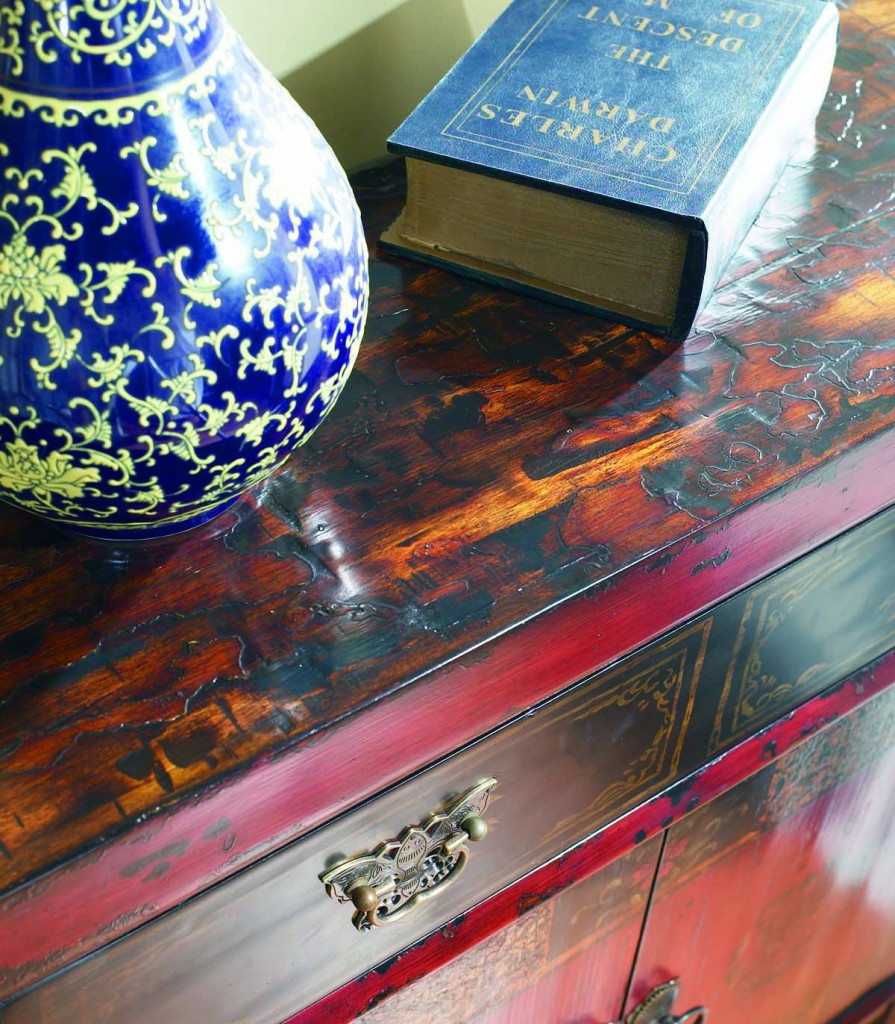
(658, 1008)
(388, 883)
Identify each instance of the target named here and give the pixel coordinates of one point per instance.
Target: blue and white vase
(183, 273)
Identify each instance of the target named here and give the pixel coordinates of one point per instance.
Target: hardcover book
(613, 156)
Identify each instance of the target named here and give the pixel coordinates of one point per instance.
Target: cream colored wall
(358, 67)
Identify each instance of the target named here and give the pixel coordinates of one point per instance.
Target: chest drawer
(269, 942)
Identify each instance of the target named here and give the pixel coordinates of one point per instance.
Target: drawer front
(263, 945)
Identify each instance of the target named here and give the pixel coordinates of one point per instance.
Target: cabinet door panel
(776, 902)
(565, 962)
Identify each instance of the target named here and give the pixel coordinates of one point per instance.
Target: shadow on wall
(359, 91)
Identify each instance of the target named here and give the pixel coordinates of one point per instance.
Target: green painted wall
(358, 67)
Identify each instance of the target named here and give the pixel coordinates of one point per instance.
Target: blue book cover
(689, 109)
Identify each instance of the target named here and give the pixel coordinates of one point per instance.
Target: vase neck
(95, 48)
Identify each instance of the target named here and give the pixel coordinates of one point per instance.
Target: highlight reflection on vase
(183, 273)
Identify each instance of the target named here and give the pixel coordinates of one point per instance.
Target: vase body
(183, 273)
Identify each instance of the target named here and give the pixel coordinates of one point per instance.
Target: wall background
(358, 67)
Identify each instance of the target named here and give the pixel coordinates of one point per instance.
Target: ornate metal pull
(421, 862)
(658, 1008)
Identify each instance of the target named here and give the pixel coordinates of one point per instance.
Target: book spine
(753, 175)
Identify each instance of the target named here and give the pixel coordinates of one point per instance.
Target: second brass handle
(658, 1008)
(387, 884)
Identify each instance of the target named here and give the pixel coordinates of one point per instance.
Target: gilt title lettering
(727, 32)
(648, 36)
(637, 134)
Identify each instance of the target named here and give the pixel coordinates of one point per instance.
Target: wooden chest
(643, 591)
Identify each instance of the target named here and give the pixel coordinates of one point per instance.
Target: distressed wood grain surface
(508, 496)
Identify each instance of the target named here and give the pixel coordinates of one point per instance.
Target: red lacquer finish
(509, 496)
(197, 842)
(567, 960)
(776, 903)
(649, 819)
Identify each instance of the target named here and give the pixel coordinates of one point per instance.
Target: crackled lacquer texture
(183, 277)
(508, 497)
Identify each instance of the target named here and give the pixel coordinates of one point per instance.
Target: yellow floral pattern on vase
(116, 31)
(30, 279)
(165, 348)
(24, 468)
